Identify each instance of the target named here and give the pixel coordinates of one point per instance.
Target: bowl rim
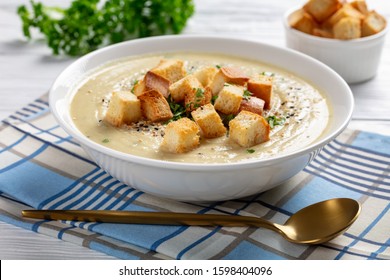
(329, 41)
(164, 164)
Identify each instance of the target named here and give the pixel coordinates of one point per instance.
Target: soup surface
(301, 106)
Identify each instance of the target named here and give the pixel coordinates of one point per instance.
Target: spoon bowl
(321, 222)
(315, 224)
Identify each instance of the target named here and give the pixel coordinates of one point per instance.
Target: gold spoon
(315, 224)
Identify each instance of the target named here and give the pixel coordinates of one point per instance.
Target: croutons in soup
(198, 108)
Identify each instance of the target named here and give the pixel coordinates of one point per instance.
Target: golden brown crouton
(231, 75)
(170, 69)
(152, 81)
(321, 9)
(360, 5)
(248, 129)
(180, 136)
(154, 106)
(252, 104)
(345, 11)
(197, 97)
(138, 88)
(234, 75)
(372, 24)
(183, 87)
(303, 21)
(325, 33)
(217, 83)
(205, 75)
(347, 28)
(261, 87)
(229, 99)
(209, 121)
(124, 108)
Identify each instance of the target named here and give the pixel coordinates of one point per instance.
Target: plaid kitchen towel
(42, 167)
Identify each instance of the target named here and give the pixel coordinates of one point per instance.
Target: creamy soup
(302, 107)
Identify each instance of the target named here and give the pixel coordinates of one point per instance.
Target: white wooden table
(27, 70)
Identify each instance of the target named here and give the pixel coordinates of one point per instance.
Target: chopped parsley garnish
(213, 98)
(227, 118)
(177, 109)
(218, 66)
(134, 84)
(269, 74)
(274, 121)
(106, 140)
(199, 93)
(247, 94)
(250, 151)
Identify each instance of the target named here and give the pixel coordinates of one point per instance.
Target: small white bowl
(205, 182)
(355, 60)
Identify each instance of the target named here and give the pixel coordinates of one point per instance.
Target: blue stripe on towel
(364, 232)
(42, 102)
(356, 158)
(102, 192)
(110, 196)
(122, 197)
(51, 144)
(30, 110)
(44, 131)
(181, 229)
(88, 196)
(25, 115)
(38, 107)
(27, 177)
(207, 236)
(62, 231)
(372, 143)
(131, 200)
(317, 190)
(363, 192)
(14, 144)
(347, 174)
(25, 159)
(65, 190)
(79, 188)
(337, 161)
(357, 155)
(381, 249)
(247, 251)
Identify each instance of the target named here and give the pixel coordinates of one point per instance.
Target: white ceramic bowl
(205, 182)
(355, 60)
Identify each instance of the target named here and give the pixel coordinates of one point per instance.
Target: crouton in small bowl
(200, 118)
(345, 35)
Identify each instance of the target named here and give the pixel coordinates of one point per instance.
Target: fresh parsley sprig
(274, 121)
(88, 24)
(247, 94)
(177, 109)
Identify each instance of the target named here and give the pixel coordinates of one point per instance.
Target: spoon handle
(138, 217)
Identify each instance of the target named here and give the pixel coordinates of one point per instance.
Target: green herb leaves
(274, 121)
(247, 95)
(199, 95)
(177, 109)
(269, 74)
(89, 24)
